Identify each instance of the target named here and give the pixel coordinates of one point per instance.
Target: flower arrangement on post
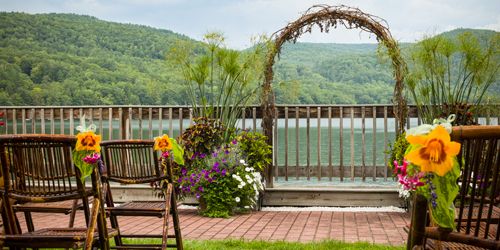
(430, 168)
(169, 149)
(86, 154)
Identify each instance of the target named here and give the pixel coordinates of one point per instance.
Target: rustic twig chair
(39, 168)
(135, 162)
(477, 205)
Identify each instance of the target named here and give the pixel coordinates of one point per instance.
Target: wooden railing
(349, 145)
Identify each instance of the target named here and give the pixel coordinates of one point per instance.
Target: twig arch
(326, 17)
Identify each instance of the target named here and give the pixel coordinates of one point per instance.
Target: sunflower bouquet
(169, 149)
(86, 154)
(430, 168)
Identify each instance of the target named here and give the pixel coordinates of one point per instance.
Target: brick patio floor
(376, 227)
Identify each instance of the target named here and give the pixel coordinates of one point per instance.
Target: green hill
(67, 59)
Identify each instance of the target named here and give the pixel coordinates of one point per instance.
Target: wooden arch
(326, 17)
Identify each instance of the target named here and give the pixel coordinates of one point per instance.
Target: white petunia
(249, 179)
(237, 199)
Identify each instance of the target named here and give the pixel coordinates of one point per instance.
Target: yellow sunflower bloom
(435, 152)
(163, 143)
(88, 141)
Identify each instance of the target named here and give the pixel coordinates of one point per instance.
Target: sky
(240, 20)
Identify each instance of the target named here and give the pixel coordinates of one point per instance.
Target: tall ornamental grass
(220, 81)
(452, 76)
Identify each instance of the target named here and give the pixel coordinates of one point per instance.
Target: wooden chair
(39, 169)
(135, 162)
(477, 205)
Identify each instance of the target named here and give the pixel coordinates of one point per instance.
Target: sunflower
(163, 143)
(88, 141)
(434, 152)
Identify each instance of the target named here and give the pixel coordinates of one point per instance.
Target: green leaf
(178, 152)
(446, 189)
(85, 169)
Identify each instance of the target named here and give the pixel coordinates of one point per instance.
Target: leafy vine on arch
(327, 17)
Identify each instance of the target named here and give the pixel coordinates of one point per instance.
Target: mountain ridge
(69, 59)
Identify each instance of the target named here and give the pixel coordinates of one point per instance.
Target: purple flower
(200, 189)
(198, 195)
(202, 155)
(223, 172)
(184, 171)
(226, 152)
(234, 141)
(224, 160)
(92, 159)
(214, 154)
(179, 180)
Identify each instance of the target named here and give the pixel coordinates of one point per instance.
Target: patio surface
(375, 227)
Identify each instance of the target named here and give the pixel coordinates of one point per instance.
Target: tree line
(67, 59)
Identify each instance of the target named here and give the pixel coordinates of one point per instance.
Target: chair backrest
(131, 161)
(478, 202)
(39, 167)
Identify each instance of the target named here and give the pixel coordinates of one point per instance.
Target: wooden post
(418, 222)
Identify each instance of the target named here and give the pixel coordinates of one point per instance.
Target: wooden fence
(318, 144)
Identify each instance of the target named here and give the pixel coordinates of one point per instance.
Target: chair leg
(29, 221)
(175, 218)
(168, 205)
(72, 215)
(114, 224)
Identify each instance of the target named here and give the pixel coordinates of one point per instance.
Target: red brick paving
(375, 227)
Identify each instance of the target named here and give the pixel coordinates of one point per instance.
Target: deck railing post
(297, 151)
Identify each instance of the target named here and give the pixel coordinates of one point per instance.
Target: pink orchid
(165, 154)
(401, 169)
(92, 159)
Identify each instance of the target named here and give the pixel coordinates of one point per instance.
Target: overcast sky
(239, 20)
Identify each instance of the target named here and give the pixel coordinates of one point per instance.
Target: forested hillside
(66, 59)
(332, 73)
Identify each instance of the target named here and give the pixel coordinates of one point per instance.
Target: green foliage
(221, 81)
(202, 137)
(85, 168)
(67, 59)
(332, 74)
(452, 76)
(446, 189)
(398, 149)
(177, 151)
(218, 199)
(254, 146)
